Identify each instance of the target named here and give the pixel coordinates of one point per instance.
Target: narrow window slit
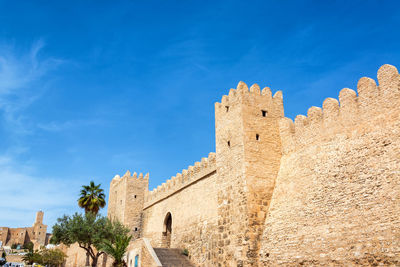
(227, 108)
(229, 143)
(264, 113)
(257, 137)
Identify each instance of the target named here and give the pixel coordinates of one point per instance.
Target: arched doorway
(167, 230)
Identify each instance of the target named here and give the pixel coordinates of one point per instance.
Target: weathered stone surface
(337, 195)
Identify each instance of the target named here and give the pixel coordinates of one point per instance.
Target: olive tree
(89, 231)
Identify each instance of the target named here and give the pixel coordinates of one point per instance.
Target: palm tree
(92, 198)
(117, 249)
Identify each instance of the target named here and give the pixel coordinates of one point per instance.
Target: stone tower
(39, 229)
(248, 152)
(126, 199)
(39, 217)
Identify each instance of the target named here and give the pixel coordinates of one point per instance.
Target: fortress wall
(336, 199)
(4, 233)
(17, 236)
(126, 200)
(36, 233)
(193, 208)
(136, 188)
(116, 199)
(181, 180)
(248, 158)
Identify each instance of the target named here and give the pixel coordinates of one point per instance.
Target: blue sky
(90, 89)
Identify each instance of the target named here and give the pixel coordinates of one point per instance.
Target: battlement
(243, 93)
(126, 197)
(182, 180)
(117, 179)
(350, 115)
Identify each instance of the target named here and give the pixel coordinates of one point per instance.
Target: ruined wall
(191, 198)
(336, 199)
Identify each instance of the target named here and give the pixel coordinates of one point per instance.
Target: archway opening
(167, 231)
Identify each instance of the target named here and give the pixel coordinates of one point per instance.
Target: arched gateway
(167, 230)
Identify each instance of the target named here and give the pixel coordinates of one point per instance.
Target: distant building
(37, 234)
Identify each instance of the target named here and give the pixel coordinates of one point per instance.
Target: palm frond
(92, 198)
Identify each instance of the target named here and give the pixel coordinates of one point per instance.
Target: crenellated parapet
(118, 179)
(126, 199)
(243, 93)
(374, 104)
(182, 180)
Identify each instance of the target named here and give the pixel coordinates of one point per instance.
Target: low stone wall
(76, 257)
(14, 258)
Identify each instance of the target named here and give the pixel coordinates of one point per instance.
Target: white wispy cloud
(22, 82)
(18, 71)
(55, 126)
(23, 79)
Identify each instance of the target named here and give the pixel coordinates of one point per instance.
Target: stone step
(172, 257)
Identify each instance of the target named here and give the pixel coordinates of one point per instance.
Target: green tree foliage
(48, 257)
(92, 198)
(90, 232)
(52, 257)
(29, 246)
(117, 249)
(32, 257)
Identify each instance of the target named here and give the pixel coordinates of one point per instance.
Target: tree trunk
(94, 262)
(87, 258)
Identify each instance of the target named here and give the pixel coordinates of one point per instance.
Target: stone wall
(4, 233)
(35, 234)
(336, 199)
(126, 200)
(146, 259)
(248, 149)
(39, 230)
(193, 209)
(76, 257)
(141, 249)
(14, 258)
(17, 236)
(323, 190)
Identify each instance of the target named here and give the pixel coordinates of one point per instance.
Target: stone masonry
(37, 234)
(322, 190)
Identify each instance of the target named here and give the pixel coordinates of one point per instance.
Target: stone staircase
(172, 257)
